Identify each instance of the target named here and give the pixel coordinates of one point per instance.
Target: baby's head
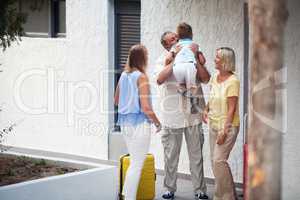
(184, 30)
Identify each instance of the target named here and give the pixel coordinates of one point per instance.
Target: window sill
(43, 35)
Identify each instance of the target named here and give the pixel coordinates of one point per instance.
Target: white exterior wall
(215, 24)
(84, 54)
(77, 61)
(291, 147)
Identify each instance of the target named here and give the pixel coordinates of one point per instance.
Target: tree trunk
(267, 22)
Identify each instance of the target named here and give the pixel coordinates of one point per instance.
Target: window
(127, 32)
(58, 15)
(37, 20)
(48, 20)
(128, 29)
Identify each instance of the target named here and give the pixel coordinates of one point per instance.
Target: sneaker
(201, 195)
(121, 197)
(168, 195)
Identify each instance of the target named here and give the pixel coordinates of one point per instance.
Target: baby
(185, 64)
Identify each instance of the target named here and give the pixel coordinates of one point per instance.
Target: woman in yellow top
(222, 113)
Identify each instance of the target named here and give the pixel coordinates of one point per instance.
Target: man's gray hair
(162, 38)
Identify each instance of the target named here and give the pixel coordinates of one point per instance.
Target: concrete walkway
(185, 190)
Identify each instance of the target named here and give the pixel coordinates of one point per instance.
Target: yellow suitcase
(146, 190)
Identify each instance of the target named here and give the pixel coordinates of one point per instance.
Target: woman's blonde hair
(227, 56)
(137, 58)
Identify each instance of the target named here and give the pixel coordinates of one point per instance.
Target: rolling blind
(128, 28)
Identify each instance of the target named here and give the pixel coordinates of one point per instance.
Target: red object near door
(245, 171)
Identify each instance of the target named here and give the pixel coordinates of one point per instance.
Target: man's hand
(198, 54)
(178, 47)
(171, 54)
(201, 58)
(194, 47)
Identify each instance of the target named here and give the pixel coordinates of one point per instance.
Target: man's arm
(202, 73)
(168, 65)
(165, 74)
(169, 58)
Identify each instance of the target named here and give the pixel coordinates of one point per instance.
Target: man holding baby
(178, 73)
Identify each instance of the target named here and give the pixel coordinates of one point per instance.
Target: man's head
(184, 30)
(168, 39)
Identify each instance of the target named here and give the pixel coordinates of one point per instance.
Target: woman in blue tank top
(135, 115)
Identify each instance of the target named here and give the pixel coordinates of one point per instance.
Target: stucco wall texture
(70, 90)
(291, 147)
(215, 24)
(85, 55)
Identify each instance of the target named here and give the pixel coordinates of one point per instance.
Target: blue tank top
(129, 108)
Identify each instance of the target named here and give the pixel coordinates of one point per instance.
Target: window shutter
(128, 28)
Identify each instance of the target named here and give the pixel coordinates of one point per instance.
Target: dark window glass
(58, 18)
(37, 20)
(62, 17)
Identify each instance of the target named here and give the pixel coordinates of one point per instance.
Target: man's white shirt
(171, 107)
